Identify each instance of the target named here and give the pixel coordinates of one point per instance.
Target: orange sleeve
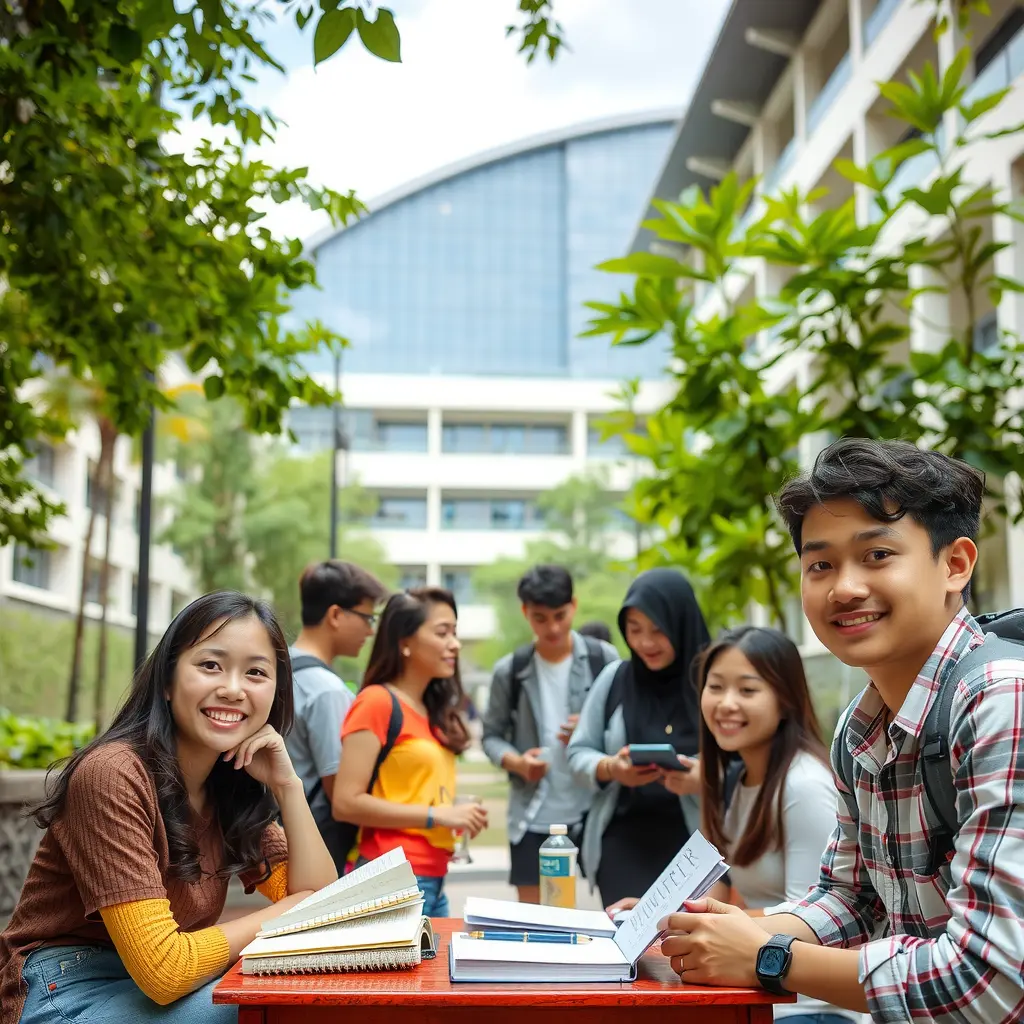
(276, 886)
(370, 712)
(165, 962)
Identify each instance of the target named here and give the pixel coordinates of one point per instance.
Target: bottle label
(558, 879)
(555, 867)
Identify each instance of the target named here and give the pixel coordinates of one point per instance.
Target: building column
(579, 437)
(801, 91)
(855, 11)
(434, 424)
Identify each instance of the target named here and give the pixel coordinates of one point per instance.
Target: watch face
(771, 961)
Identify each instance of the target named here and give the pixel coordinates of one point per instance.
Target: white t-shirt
(808, 818)
(565, 800)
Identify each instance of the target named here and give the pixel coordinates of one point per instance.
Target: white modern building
(790, 87)
(468, 391)
(49, 580)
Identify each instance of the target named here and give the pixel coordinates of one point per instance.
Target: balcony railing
(878, 19)
(782, 165)
(830, 90)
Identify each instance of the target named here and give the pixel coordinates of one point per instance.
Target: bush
(27, 742)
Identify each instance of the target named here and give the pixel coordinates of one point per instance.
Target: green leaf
(302, 17)
(213, 387)
(981, 107)
(380, 37)
(125, 44)
(332, 32)
(645, 263)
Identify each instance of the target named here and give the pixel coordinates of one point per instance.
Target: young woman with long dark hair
(146, 825)
(755, 703)
(415, 660)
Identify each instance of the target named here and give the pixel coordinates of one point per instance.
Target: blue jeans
(89, 985)
(435, 901)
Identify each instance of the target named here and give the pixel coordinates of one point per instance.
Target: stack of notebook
(516, 942)
(369, 920)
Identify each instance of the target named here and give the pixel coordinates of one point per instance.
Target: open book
(371, 919)
(611, 955)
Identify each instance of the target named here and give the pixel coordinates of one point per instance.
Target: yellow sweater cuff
(165, 962)
(276, 886)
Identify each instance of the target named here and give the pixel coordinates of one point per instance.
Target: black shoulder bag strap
(616, 692)
(520, 659)
(842, 761)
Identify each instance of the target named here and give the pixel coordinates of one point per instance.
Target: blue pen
(565, 938)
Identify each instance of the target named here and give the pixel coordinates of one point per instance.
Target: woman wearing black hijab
(635, 825)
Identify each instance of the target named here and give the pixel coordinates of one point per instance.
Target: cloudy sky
(359, 122)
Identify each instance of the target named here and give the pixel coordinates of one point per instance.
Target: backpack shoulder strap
(394, 728)
(617, 690)
(842, 761)
(304, 661)
(936, 771)
(521, 657)
(595, 655)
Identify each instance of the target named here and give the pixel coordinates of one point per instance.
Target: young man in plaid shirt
(886, 535)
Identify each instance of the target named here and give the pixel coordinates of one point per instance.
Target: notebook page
(397, 928)
(600, 951)
(534, 917)
(691, 873)
(388, 873)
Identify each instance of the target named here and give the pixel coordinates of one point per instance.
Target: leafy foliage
(38, 742)
(762, 383)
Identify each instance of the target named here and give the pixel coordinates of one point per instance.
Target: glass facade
(490, 514)
(505, 438)
(362, 430)
(31, 567)
(486, 272)
(460, 583)
(400, 513)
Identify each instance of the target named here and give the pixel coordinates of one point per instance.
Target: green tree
(579, 515)
(726, 442)
(115, 254)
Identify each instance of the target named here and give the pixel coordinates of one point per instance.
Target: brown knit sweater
(109, 846)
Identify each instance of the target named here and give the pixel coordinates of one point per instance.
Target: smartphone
(663, 755)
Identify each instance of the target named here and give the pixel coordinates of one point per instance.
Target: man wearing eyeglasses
(338, 616)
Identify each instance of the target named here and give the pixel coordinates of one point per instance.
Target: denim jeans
(89, 985)
(435, 901)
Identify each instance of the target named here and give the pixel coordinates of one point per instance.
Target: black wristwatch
(773, 961)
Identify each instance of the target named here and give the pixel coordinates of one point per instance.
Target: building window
(41, 465)
(505, 439)
(490, 514)
(96, 495)
(613, 447)
(460, 583)
(360, 431)
(400, 514)
(31, 567)
(92, 583)
(412, 576)
(397, 436)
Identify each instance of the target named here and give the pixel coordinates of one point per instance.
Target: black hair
(598, 630)
(890, 480)
(243, 806)
(443, 698)
(547, 585)
(325, 584)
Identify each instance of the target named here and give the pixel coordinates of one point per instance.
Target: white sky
(359, 122)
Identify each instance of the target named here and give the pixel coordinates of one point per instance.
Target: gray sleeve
(324, 715)
(586, 747)
(497, 719)
(808, 821)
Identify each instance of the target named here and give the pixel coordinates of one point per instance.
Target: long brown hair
(777, 661)
(403, 615)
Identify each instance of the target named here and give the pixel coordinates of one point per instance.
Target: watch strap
(773, 983)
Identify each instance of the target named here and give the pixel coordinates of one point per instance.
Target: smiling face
(434, 647)
(224, 686)
(874, 593)
(740, 707)
(647, 641)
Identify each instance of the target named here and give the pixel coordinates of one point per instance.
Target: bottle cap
(558, 830)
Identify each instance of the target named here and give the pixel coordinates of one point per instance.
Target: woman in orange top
(415, 658)
(146, 825)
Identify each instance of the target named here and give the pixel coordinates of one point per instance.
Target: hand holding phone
(661, 755)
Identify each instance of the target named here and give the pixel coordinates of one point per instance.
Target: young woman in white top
(754, 702)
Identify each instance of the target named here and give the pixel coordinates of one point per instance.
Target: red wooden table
(426, 996)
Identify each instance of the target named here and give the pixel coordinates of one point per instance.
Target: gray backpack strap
(842, 762)
(937, 774)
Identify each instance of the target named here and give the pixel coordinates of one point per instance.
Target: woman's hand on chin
(264, 756)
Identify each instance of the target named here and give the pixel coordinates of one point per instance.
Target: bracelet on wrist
(430, 817)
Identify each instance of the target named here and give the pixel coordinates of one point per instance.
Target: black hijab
(661, 706)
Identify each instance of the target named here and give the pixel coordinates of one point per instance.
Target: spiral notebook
(376, 887)
(385, 941)
(690, 875)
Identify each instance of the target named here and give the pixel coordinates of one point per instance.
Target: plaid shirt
(945, 946)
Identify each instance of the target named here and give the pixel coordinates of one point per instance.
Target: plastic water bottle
(558, 869)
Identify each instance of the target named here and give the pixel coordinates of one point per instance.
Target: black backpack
(341, 836)
(522, 657)
(1004, 639)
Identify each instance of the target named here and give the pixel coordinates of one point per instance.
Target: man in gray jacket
(536, 696)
